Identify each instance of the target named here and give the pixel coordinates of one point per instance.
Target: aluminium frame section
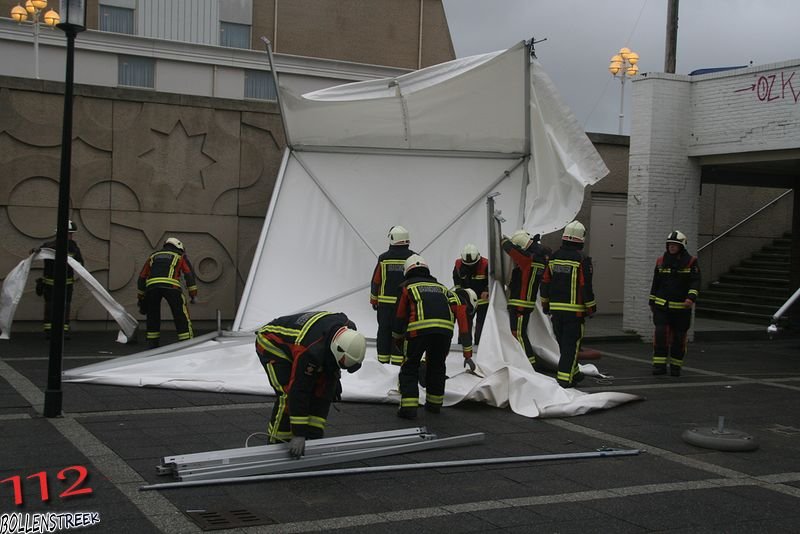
(599, 453)
(280, 454)
(223, 455)
(342, 457)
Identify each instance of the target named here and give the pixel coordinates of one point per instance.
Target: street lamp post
(625, 65)
(74, 22)
(34, 9)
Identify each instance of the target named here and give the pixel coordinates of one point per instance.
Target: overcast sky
(582, 35)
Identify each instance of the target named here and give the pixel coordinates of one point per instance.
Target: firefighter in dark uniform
(471, 272)
(530, 259)
(48, 279)
(385, 287)
(568, 297)
(426, 313)
(302, 355)
(160, 278)
(676, 282)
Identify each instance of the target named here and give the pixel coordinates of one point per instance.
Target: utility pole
(672, 36)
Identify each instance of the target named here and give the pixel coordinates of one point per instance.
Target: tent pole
(526, 179)
(277, 90)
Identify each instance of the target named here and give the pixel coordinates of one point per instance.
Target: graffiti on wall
(775, 86)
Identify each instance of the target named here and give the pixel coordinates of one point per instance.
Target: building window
(137, 71)
(116, 19)
(259, 84)
(234, 35)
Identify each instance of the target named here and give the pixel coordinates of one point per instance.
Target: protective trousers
(480, 318)
(47, 293)
(387, 352)
(669, 338)
(435, 348)
(568, 329)
(279, 428)
(180, 314)
(519, 329)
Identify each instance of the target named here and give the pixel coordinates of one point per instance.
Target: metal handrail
(737, 225)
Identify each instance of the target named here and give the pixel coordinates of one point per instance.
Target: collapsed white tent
(423, 150)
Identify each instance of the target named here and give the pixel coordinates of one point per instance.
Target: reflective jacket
(474, 277)
(529, 264)
(164, 269)
(427, 307)
(567, 282)
(48, 276)
(303, 341)
(676, 278)
(388, 275)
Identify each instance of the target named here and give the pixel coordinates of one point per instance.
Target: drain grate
(218, 520)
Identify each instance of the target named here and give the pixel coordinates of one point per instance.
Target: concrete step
(734, 315)
(767, 272)
(771, 265)
(749, 290)
(776, 249)
(757, 308)
(755, 281)
(734, 296)
(770, 256)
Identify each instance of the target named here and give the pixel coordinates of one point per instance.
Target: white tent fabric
(14, 285)
(422, 150)
(228, 364)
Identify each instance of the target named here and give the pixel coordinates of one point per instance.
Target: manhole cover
(218, 520)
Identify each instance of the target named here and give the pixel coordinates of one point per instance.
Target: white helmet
(175, 242)
(398, 236)
(412, 262)
(473, 297)
(72, 227)
(470, 254)
(678, 238)
(521, 238)
(574, 232)
(349, 347)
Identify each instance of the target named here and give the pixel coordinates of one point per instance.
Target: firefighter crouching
(303, 355)
(160, 278)
(385, 287)
(471, 272)
(426, 313)
(676, 282)
(568, 297)
(530, 258)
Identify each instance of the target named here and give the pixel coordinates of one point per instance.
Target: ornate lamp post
(625, 65)
(74, 22)
(34, 9)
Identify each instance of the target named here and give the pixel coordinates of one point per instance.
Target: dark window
(259, 84)
(116, 19)
(137, 71)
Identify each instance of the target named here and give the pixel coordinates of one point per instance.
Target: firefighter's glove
(297, 447)
(546, 308)
(375, 306)
(469, 363)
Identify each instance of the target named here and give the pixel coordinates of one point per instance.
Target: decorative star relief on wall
(177, 158)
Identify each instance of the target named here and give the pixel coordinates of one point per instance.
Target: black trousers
(670, 336)
(481, 317)
(519, 329)
(47, 293)
(387, 352)
(435, 347)
(568, 329)
(180, 313)
(279, 428)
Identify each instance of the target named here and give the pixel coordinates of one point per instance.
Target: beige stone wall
(145, 166)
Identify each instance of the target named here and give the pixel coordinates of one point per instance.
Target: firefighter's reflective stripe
(387, 300)
(298, 419)
(409, 402)
(308, 325)
(434, 399)
(163, 280)
(281, 330)
(430, 323)
(270, 348)
(518, 302)
(384, 275)
(317, 422)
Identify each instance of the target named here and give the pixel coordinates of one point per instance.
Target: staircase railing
(737, 225)
(773, 327)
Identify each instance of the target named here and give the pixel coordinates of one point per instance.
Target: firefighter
(471, 272)
(45, 286)
(676, 282)
(303, 355)
(426, 313)
(161, 278)
(530, 259)
(568, 297)
(385, 287)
